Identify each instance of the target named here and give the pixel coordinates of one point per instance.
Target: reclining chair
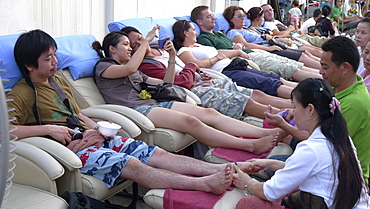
(76, 50)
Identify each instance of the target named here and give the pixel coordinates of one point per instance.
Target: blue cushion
(221, 23)
(144, 25)
(76, 53)
(187, 17)
(7, 56)
(166, 27)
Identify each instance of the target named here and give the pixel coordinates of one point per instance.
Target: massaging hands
(240, 179)
(275, 119)
(91, 137)
(265, 164)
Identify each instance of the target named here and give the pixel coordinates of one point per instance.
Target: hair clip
(334, 104)
(321, 89)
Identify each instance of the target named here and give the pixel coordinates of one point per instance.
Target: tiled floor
(123, 200)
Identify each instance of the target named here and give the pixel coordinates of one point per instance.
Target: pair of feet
(217, 183)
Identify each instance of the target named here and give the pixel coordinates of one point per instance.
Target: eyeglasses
(240, 16)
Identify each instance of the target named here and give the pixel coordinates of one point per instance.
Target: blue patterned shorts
(106, 162)
(145, 109)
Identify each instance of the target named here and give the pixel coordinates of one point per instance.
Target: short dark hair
(343, 50)
(326, 10)
(129, 29)
(316, 13)
(295, 3)
(196, 13)
(29, 47)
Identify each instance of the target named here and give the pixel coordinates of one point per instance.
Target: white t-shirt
(295, 12)
(361, 65)
(307, 23)
(201, 52)
(311, 169)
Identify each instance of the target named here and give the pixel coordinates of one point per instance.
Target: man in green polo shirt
(339, 62)
(286, 68)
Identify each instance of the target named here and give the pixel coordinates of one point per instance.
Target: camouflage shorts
(225, 97)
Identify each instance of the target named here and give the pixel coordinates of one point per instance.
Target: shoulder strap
(35, 110)
(105, 59)
(61, 94)
(151, 61)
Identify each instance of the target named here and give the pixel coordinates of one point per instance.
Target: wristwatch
(96, 127)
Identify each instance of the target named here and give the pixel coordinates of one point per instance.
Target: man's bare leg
(266, 99)
(160, 179)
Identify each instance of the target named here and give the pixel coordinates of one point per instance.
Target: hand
(90, 138)
(237, 46)
(259, 164)
(244, 55)
(61, 134)
(274, 48)
(152, 33)
(240, 179)
(205, 76)
(221, 55)
(169, 47)
(273, 119)
(285, 40)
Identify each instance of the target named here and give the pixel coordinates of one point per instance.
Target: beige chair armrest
(139, 119)
(34, 167)
(128, 128)
(62, 154)
(214, 74)
(192, 98)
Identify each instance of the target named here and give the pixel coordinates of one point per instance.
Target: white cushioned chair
(34, 181)
(72, 179)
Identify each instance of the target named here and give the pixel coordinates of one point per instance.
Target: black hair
(196, 13)
(316, 13)
(295, 3)
(326, 10)
(129, 29)
(320, 94)
(254, 12)
(365, 20)
(111, 39)
(343, 50)
(29, 47)
(178, 29)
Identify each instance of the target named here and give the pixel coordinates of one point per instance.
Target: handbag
(303, 200)
(162, 92)
(165, 92)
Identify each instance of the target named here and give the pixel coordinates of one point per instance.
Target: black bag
(78, 200)
(316, 29)
(165, 92)
(304, 200)
(282, 45)
(237, 64)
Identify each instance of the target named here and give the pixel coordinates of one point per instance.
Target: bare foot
(264, 144)
(217, 183)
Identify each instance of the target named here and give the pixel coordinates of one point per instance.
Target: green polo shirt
(217, 40)
(355, 105)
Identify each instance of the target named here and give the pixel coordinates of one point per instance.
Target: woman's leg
(212, 128)
(266, 99)
(257, 109)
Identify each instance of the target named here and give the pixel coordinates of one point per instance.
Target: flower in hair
(334, 104)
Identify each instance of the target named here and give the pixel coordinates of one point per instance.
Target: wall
(70, 17)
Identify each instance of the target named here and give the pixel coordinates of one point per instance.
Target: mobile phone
(161, 43)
